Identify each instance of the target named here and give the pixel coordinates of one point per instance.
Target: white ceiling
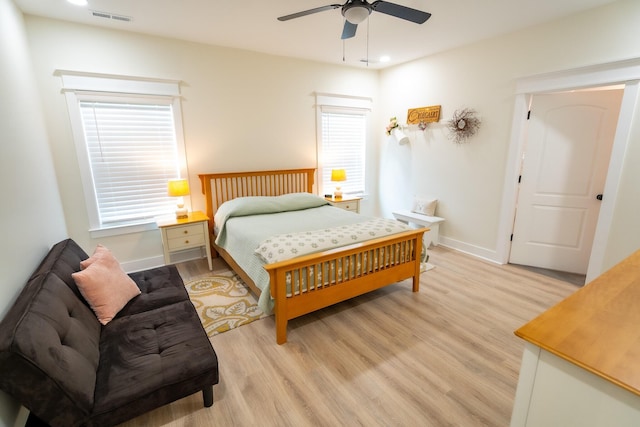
(252, 24)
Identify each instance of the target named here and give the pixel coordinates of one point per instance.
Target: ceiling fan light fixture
(355, 13)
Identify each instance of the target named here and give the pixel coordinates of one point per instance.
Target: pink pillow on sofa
(104, 284)
(99, 252)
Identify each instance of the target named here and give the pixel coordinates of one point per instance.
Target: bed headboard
(220, 187)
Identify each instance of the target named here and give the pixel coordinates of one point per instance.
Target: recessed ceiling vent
(107, 15)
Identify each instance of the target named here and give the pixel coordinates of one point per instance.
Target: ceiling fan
(356, 11)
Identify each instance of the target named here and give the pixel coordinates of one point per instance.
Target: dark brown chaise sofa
(69, 369)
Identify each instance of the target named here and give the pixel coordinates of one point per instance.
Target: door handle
(599, 197)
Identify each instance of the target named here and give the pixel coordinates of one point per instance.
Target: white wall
(241, 110)
(468, 179)
(31, 217)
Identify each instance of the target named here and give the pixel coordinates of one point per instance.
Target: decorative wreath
(393, 123)
(463, 125)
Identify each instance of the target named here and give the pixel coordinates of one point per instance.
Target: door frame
(626, 73)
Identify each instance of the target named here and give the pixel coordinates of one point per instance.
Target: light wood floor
(445, 356)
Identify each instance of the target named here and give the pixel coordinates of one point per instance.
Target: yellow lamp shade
(338, 175)
(178, 187)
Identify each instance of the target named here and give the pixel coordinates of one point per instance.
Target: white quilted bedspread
(290, 245)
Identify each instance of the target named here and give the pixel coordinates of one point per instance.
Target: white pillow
(424, 205)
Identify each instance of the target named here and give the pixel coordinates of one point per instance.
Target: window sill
(123, 229)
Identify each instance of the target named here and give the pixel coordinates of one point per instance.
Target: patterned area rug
(223, 302)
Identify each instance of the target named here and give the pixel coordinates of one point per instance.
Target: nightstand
(187, 233)
(347, 203)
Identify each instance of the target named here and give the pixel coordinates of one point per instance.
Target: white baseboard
(21, 419)
(477, 251)
(142, 264)
(158, 261)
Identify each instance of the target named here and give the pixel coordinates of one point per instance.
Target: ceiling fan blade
(309, 12)
(402, 12)
(349, 30)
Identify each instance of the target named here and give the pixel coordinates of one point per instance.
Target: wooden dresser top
(598, 327)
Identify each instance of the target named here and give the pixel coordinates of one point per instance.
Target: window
(342, 141)
(128, 147)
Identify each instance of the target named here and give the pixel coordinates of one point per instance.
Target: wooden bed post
(280, 309)
(418, 265)
(281, 326)
(205, 186)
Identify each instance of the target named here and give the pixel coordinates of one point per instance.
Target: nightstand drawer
(348, 206)
(184, 231)
(347, 203)
(184, 242)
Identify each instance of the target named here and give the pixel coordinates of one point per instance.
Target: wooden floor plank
(445, 356)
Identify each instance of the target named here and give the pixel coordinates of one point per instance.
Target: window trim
(78, 86)
(326, 102)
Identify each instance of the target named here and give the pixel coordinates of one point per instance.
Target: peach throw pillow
(104, 284)
(99, 252)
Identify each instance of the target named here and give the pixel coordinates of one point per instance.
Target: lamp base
(338, 193)
(182, 212)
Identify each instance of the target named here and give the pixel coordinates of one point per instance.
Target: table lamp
(338, 175)
(179, 188)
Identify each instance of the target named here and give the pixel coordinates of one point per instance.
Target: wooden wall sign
(423, 115)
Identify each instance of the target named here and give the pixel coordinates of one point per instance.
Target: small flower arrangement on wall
(464, 124)
(393, 123)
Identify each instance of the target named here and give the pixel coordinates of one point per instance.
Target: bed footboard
(308, 283)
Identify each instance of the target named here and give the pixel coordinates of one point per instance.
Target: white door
(564, 169)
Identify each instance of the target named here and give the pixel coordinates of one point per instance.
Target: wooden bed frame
(383, 261)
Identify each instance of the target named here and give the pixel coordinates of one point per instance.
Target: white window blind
(343, 147)
(132, 154)
(128, 137)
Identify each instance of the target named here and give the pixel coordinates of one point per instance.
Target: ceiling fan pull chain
(342, 50)
(368, 20)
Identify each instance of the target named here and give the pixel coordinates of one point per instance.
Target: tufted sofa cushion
(163, 353)
(159, 287)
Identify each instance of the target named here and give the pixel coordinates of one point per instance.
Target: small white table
(185, 233)
(433, 222)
